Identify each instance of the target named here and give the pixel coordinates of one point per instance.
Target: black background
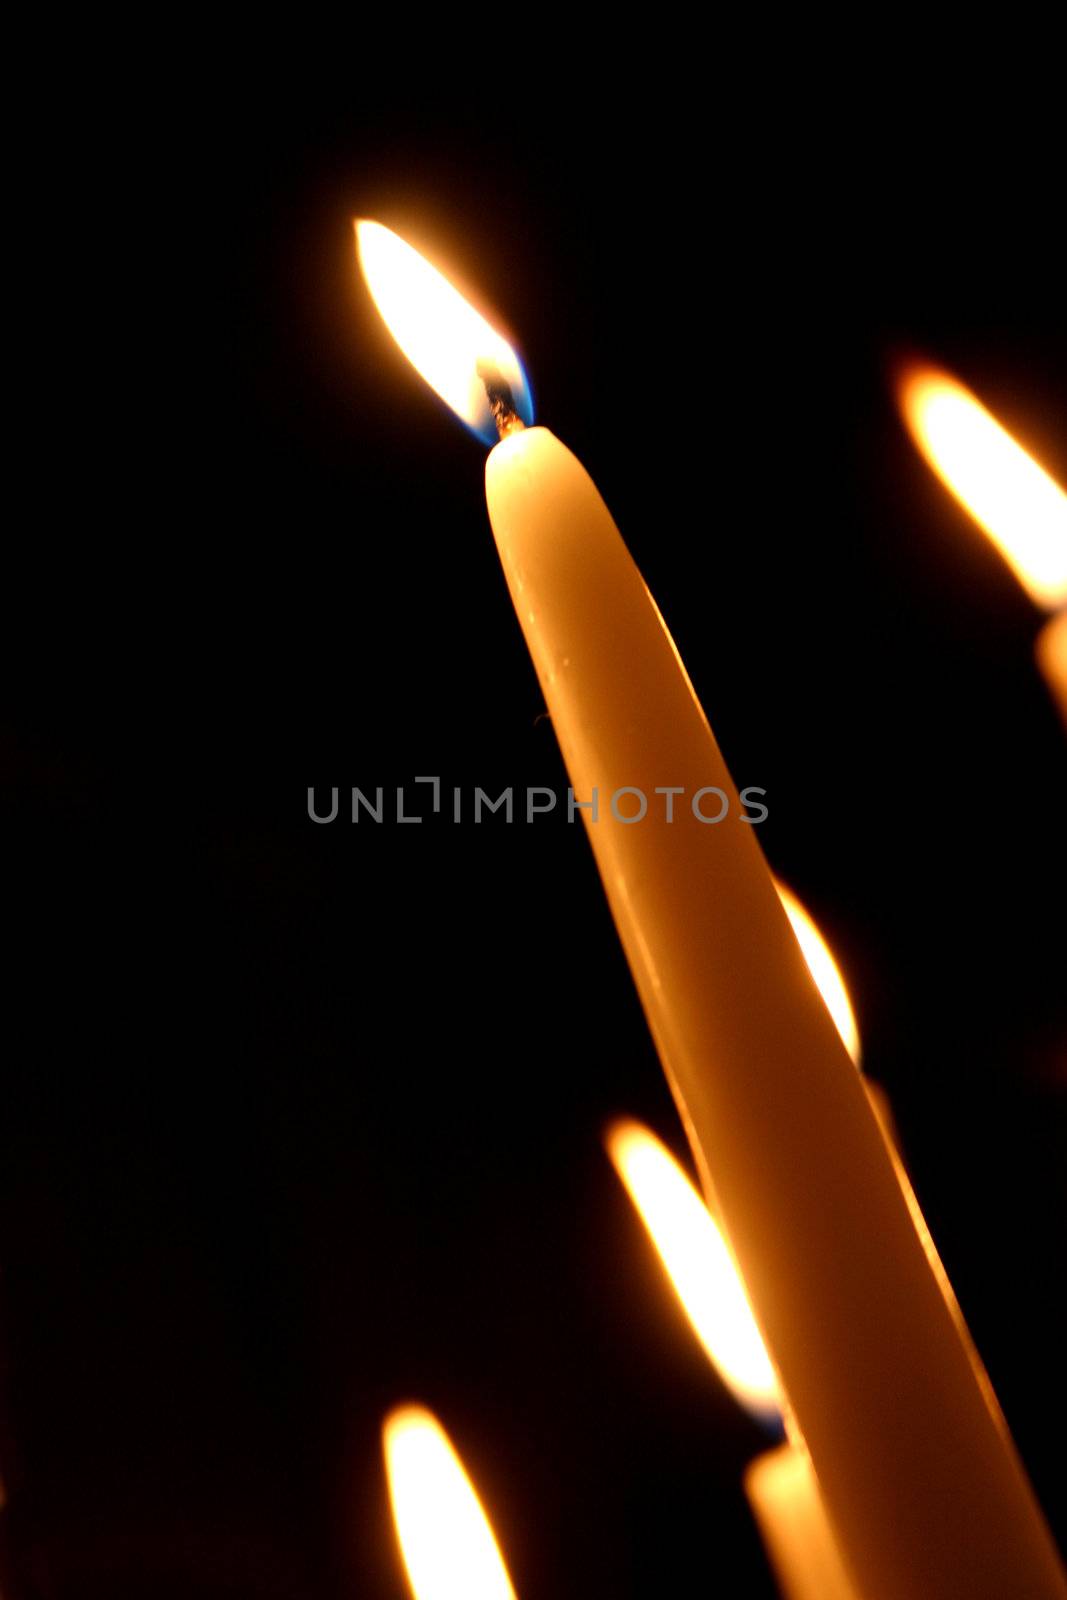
(301, 1121)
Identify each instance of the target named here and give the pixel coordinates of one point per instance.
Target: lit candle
(924, 1491)
(1052, 657)
(445, 1537)
(781, 1485)
(1012, 499)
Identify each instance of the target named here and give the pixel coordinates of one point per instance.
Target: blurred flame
(1021, 508)
(698, 1263)
(447, 1543)
(447, 342)
(824, 970)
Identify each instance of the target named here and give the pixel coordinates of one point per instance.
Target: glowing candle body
(923, 1489)
(784, 1495)
(1052, 658)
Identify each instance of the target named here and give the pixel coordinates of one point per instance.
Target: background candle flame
(1014, 500)
(449, 344)
(445, 1537)
(698, 1263)
(824, 970)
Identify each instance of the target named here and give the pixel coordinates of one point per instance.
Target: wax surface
(923, 1488)
(784, 1495)
(1052, 658)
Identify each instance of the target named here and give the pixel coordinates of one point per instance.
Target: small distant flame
(698, 1263)
(824, 970)
(1020, 507)
(462, 358)
(445, 1538)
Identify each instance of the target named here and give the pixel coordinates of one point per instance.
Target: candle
(783, 1492)
(781, 1485)
(445, 1537)
(924, 1491)
(1052, 657)
(1012, 499)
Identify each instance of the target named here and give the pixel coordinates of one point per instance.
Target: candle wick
(501, 401)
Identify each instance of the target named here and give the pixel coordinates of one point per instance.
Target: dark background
(302, 1121)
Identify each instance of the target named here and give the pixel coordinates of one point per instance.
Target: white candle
(793, 1154)
(783, 1491)
(924, 1491)
(1052, 658)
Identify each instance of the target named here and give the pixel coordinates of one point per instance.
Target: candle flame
(445, 1538)
(451, 345)
(698, 1263)
(1014, 500)
(824, 970)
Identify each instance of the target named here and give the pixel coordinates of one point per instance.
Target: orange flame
(1014, 500)
(698, 1263)
(824, 970)
(447, 341)
(445, 1537)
